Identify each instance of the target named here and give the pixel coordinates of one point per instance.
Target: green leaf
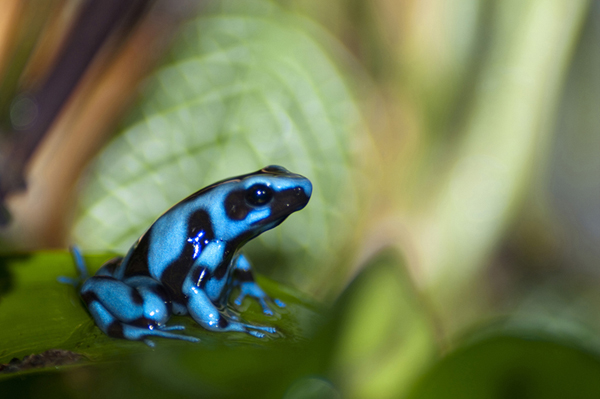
(523, 363)
(385, 337)
(37, 313)
(245, 86)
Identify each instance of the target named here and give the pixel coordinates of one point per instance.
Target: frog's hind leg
(79, 262)
(134, 310)
(82, 273)
(107, 269)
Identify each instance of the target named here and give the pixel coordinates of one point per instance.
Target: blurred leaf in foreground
(244, 87)
(385, 337)
(522, 364)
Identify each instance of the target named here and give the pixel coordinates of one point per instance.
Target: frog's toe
(262, 301)
(149, 343)
(142, 334)
(256, 334)
(271, 330)
(267, 311)
(279, 303)
(69, 280)
(238, 301)
(171, 328)
(265, 307)
(240, 298)
(266, 329)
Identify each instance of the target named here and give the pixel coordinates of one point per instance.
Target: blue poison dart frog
(189, 260)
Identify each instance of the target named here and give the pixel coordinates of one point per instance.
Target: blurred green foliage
(382, 326)
(514, 366)
(482, 191)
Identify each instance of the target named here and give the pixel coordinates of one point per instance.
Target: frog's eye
(259, 195)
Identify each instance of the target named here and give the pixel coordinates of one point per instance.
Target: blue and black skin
(189, 260)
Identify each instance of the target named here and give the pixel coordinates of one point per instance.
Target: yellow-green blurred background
(454, 148)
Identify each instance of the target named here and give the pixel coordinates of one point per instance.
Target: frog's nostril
(300, 192)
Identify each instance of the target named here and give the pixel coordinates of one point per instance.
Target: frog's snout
(301, 194)
(304, 189)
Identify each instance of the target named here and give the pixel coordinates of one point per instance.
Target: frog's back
(164, 251)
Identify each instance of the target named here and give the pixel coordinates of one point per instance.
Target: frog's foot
(79, 262)
(69, 280)
(252, 329)
(82, 272)
(136, 311)
(259, 331)
(135, 333)
(251, 289)
(204, 312)
(225, 323)
(171, 328)
(118, 329)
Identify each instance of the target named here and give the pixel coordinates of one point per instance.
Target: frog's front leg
(200, 283)
(244, 279)
(205, 313)
(134, 309)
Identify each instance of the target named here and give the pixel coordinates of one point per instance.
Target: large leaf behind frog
(246, 85)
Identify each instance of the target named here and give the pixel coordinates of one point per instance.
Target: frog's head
(254, 203)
